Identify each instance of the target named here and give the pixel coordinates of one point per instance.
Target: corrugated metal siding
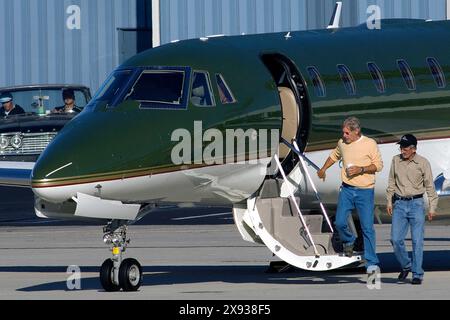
(420, 9)
(184, 19)
(37, 47)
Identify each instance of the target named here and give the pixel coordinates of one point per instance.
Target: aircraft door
(293, 100)
(291, 118)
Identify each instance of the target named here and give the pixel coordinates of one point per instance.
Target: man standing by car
(8, 107)
(69, 106)
(361, 161)
(410, 177)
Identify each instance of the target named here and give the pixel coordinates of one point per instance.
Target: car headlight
(4, 142)
(17, 141)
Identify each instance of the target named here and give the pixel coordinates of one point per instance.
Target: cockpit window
(201, 95)
(112, 87)
(226, 96)
(159, 89)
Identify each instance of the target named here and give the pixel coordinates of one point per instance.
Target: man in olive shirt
(361, 161)
(410, 177)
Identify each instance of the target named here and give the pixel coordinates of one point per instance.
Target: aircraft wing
(16, 174)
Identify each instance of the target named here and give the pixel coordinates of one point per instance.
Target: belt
(397, 197)
(346, 185)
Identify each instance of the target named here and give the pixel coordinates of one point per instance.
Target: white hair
(353, 124)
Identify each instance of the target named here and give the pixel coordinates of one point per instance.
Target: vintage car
(23, 137)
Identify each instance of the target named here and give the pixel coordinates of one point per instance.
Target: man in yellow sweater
(361, 161)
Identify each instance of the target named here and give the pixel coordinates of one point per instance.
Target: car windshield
(45, 101)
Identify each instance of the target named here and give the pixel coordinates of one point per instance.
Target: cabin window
(201, 94)
(436, 71)
(319, 85)
(347, 79)
(407, 74)
(226, 95)
(161, 88)
(377, 76)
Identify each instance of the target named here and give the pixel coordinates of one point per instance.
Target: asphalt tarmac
(188, 254)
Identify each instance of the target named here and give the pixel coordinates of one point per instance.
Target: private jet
(158, 133)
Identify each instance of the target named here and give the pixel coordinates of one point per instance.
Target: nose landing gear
(116, 273)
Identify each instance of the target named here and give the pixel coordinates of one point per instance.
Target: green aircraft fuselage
(121, 139)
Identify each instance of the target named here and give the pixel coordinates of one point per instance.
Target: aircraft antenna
(336, 18)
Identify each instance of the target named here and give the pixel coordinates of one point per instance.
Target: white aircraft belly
(222, 184)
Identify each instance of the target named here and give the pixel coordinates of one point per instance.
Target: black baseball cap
(408, 140)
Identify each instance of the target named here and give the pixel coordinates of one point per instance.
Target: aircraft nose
(82, 153)
(52, 170)
(59, 164)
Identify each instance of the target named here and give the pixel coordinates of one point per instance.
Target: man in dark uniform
(8, 107)
(69, 103)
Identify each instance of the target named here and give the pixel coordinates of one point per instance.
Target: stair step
(282, 221)
(271, 189)
(283, 210)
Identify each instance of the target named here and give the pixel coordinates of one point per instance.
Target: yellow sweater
(361, 153)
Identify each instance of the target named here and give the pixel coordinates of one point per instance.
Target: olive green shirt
(412, 178)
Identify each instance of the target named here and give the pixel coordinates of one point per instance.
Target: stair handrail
(291, 195)
(316, 192)
(304, 159)
(301, 155)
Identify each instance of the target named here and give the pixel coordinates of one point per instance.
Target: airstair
(273, 217)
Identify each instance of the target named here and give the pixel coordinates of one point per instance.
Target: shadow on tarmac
(17, 210)
(172, 275)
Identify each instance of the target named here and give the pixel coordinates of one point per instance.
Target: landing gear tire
(130, 275)
(107, 276)
(115, 273)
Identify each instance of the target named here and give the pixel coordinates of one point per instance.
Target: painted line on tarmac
(205, 216)
(28, 222)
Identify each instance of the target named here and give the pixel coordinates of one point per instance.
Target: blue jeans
(409, 214)
(363, 200)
